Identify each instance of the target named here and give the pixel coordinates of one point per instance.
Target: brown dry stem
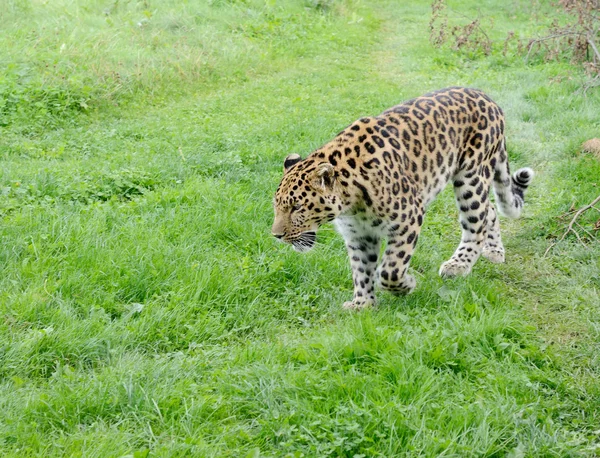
(570, 227)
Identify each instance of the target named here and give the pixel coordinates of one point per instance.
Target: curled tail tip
(523, 177)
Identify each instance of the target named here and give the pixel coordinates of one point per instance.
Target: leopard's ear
(326, 176)
(291, 160)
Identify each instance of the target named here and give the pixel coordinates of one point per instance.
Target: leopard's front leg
(363, 250)
(393, 274)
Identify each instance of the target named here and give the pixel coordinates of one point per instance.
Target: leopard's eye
(296, 207)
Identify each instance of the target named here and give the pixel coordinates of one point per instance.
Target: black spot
(452, 134)
(443, 142)
(418, 147)
(483, 123)
(424, 105)
(451, 159)
(365, 193)
(405, 185)
(387, 158)
(428, 127)
(371, 163)
(444, 100)
(352, 163)
(476, 140)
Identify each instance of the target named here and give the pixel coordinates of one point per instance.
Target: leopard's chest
(361, 225)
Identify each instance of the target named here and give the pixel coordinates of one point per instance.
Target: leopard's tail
(510, 190)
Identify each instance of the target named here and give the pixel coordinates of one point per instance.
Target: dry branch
(570, 228)
(537, 41)
(593, 45)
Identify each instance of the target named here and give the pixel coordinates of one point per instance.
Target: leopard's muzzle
(305, 241)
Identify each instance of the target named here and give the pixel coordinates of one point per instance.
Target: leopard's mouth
(304, 242)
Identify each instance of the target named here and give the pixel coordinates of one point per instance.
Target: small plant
(470, 37)
(323, 5)
(576, 40)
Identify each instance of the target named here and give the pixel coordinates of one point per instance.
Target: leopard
(377, 177)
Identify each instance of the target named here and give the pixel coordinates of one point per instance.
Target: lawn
(145, 309)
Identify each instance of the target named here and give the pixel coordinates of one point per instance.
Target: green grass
(144, 306)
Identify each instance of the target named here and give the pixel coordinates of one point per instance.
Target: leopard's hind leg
(493, 250)
(471, 190)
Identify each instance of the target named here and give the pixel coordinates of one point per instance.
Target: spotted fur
(376, 178)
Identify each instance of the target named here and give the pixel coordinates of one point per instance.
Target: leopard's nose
(278, 236)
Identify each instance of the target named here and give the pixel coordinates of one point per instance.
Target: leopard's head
(307, 197)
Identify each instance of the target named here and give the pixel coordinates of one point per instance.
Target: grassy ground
(145, 308)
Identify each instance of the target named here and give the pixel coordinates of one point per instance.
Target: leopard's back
(427, 141)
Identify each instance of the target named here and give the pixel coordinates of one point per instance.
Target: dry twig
(570, 228)
(537, 41)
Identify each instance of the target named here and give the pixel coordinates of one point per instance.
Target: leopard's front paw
(493, 254)
(359, 304)
(404, 286)
(455, 268)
